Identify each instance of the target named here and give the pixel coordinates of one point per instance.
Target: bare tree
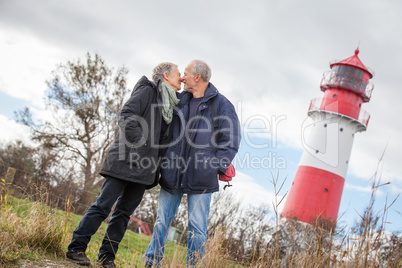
(35, 172)
(84, 100)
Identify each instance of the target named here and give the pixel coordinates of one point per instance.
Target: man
(206, 137)
(129, 167)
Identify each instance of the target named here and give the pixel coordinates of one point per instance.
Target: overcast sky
(267, 57)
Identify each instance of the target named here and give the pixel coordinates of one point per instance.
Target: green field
(130, 251)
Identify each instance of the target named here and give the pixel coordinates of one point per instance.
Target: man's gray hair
(160, 69)
(201, 68)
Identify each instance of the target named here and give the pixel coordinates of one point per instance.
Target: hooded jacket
(194, 158)
(134, 153)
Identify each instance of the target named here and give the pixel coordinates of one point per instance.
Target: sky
(267, 57)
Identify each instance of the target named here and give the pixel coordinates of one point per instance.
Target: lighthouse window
(325, 190)
(334, 96)
(341, 129)
(348, 71)
(349, 77)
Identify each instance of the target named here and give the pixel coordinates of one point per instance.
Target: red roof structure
(353, 61)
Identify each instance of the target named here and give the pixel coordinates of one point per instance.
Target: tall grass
(296, 244)
(32, 229)
(28, 229)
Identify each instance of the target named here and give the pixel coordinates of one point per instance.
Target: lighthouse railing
(364, 117)
(347, 81)
(315, 105)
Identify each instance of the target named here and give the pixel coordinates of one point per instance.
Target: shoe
(78, 258)
(107, 264)
(147, 265)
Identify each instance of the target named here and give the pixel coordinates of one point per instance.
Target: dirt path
(47, 264)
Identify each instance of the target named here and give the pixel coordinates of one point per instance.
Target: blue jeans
(198, 211)
(128, 196)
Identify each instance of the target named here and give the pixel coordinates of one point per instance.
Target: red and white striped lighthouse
(316, 191)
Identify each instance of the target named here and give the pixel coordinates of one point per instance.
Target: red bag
(230, 173)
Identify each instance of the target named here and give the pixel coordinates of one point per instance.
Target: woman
(130, 166)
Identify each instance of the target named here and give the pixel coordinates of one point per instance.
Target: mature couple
(191, 136)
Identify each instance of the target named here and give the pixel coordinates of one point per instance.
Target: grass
(33, 231)
(30, 231)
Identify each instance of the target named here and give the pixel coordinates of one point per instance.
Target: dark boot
(107, 264)
(78, 258)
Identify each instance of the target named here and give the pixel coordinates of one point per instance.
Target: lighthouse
(316, 191)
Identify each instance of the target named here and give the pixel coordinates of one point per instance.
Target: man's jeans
(198, 211)
(128, 196)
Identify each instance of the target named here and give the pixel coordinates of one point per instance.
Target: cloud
(250, 193)
(12, 131)
(366, 189)
(267, 55)
(29, 64)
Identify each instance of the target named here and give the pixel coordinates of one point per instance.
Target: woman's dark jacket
(194, 158)
(134, 153)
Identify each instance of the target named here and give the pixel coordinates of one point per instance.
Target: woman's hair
(160, 69)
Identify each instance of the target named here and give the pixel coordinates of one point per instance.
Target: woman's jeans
(198, 211)
(128, 196)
